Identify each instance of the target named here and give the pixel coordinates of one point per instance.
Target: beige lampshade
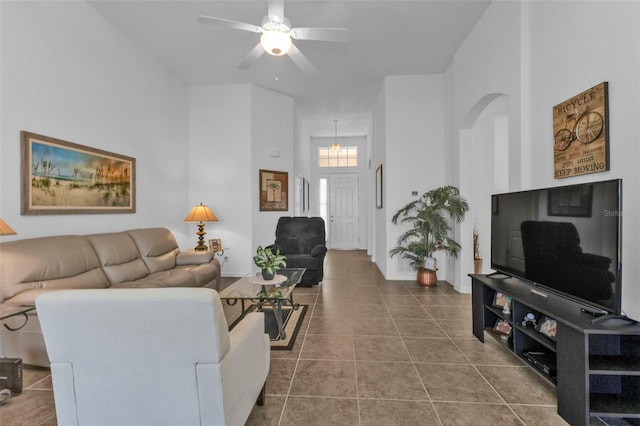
(200, 213)
(6, 229)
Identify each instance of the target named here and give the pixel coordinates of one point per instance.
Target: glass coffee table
(256, 294)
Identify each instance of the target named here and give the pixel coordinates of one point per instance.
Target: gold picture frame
(60, 177)
(274, 190)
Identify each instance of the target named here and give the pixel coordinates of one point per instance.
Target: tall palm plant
(431, 217)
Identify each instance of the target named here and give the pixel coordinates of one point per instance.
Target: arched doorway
(483, 170)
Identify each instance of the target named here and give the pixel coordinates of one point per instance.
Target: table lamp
(6, 229)
(201, 214)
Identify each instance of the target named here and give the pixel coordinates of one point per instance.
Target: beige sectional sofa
(138, 258)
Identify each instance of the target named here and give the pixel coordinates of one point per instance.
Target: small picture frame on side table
(215, 245)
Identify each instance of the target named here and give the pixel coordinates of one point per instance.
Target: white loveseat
(152, 357)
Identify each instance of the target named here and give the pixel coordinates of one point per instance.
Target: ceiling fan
(277, 33)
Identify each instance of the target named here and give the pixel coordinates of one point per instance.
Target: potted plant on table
(269, 262)
(431, 217)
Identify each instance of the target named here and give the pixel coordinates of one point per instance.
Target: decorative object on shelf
(581, 133)
(548, 327)
(431, 217)
(500, 300)
(529, 320)
(274, 190)
(269, 262)
(201, 213)
(6, 229)
(60, 177)
(477, 261)
(502, 327)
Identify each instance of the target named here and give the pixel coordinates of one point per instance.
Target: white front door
(343, 211)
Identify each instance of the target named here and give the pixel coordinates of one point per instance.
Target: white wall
(220, 168)
(272, 130)
(529, 52)
(234, 130)
(414, 117)
(69, 74)
(611, 38)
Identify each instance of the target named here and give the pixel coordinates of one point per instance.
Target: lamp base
(201, 245)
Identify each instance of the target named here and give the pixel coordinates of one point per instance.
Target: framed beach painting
(60, 177)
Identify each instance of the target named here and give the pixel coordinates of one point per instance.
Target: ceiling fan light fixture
(276, 43)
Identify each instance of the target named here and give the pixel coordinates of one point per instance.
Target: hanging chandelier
(335, 145)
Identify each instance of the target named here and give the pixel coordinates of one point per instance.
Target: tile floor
(373, 352)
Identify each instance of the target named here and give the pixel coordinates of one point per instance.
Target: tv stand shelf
(594, 365)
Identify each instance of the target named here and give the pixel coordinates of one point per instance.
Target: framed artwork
(274, 190)
(570, 201)
(548, 327)
(500, 300)
(502, 327)
(305, 195)
(581, 133)
(379, 187)
(215, 245)
(60, 177)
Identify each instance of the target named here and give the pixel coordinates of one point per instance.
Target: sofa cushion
(118, 256)
(48, 262)
(203, 273)
(157, 246)
(178, 277)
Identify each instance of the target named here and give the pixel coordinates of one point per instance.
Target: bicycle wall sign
(581, 134)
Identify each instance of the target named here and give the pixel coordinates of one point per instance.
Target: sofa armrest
(193, 257)
(318, 250)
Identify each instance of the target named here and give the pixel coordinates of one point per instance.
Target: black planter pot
(267, 276)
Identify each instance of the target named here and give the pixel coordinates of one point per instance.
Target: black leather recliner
(303, 241)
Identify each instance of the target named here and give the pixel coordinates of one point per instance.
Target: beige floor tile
(410, 311)
(268, 414)
(379, 412)
(400, 300)
(434, 350)
(487, 353)
(327, 346)
(380, 348)
(324, 378)
(519, 385)
(369, 310)
(464, 414)
(314, 411)
(534, 415)
(419, 328)
(459, 383)
(280, 375)
(374, 327)
(389, 380)
(323, 325)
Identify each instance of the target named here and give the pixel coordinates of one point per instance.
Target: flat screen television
(566, 239)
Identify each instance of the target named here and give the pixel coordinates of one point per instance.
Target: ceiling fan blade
(276, 10)
(228, 23)
(251, 57)
(320, 34)
(301, 61)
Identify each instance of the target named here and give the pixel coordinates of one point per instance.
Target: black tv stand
(593, 362)
(502, 274)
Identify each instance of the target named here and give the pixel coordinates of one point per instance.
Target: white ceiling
(391, 37)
